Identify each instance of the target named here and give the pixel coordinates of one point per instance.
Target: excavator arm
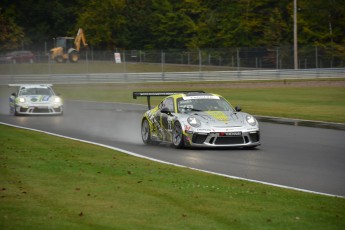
(80, 38)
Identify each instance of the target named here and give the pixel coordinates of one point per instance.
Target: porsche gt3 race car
(35, 99)
(197, 119)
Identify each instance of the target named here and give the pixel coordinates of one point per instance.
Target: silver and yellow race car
(35, 99)
(197, 119)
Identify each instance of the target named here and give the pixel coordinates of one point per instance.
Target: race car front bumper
(224, 139)
(39, 110)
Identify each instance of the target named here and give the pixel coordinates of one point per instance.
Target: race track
(300, 157)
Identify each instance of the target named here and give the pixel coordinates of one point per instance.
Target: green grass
(302, 102)
(101, 67)
(48, 182)
(317, 103)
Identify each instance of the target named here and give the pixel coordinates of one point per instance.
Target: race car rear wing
(159, 93)
(20, 85)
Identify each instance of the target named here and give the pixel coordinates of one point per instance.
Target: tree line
(173, 24)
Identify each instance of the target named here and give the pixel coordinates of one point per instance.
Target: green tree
(43, 20)
(138, 18)
(103, 23)
(179, 24)
(322, 23)
(219, 23)
(168, 25)
(11, 35)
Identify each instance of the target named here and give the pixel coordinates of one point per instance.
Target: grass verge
(48, 182)
(102, 67)
(310, 100)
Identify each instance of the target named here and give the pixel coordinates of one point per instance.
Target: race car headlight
(22, 100)
(193, 121)
(251, 120)
(57, 100)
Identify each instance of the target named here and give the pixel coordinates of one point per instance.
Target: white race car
(35, 99)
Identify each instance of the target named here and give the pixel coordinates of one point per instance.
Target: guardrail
(173, 76)
(300, 122)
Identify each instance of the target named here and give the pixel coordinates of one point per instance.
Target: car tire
(74, 57)
(177, 136)
(59, 59)
(146, 132)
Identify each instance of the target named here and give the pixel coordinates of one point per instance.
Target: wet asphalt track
(301, 157)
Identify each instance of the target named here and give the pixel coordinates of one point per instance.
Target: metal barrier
(174, 76)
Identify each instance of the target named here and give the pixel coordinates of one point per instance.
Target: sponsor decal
(203, 130)
(231, 134)
(45, 98)
(218, 115)
(200, 97)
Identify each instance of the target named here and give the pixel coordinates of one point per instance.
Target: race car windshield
(35, 91)
(203, 105)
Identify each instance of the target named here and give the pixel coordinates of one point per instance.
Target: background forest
(173, 24)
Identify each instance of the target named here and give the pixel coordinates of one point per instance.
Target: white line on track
(169, 163)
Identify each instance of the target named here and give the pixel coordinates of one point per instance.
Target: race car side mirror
(166, 111)
(14, 94)
(238, 108)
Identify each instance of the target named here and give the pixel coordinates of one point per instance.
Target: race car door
(169, 104)
(163, 118)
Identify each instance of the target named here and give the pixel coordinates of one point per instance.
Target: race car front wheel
(145, 132)
(177, 138)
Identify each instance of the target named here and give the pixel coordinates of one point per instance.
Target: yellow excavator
(67, 48)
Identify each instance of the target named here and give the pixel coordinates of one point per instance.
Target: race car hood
(39, 99)
(221, 118)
